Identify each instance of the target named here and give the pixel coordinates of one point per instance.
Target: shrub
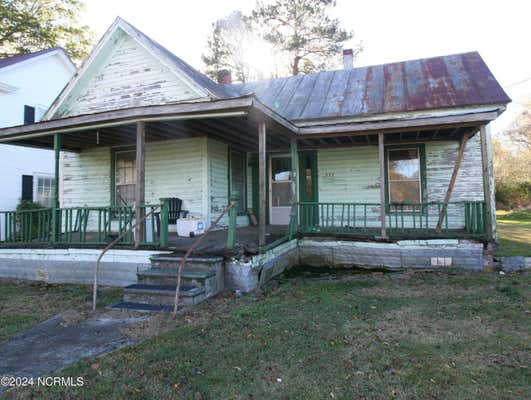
(513, 195)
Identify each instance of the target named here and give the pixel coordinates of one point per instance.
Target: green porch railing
(26, 226)
(83, 225)
(408, 220)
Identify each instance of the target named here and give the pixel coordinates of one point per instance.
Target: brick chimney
(224, 77)
(348, 59)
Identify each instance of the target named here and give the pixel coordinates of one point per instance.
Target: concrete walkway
(53, 344)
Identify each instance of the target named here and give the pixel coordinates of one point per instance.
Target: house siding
(218, 182)
(124, 75)
(174, 168)
(351, 175)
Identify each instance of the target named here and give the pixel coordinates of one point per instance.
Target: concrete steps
(201, 278)
(163, 294)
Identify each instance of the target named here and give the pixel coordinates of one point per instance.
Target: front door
(280, 189)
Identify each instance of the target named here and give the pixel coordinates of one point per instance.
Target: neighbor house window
(124, 178)
(237, 177)
(29, 115)
(33, 114)
(45, 191)
(404, 175)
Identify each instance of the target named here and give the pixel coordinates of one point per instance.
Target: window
(45, 191)
(33, 114)
(27, 188)
(124, 178)
(405, 174)
(29, 115)
(237, 178)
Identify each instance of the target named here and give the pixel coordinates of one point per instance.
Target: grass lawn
(24, 304)
(514, 233)
(366, 336)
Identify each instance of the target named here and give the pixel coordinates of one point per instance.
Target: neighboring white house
(29, 83)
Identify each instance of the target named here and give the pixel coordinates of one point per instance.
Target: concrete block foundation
(120, 267)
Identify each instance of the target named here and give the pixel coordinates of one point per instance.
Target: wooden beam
(450, 189)
(262, 182)
(488, 181)
(381, 162)
(140, 194)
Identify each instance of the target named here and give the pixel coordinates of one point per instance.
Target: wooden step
(163, 294)
(155, 276)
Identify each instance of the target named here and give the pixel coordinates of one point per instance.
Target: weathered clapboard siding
(440, 160)
(86, 178)
(351, 175)
(218, 182)
(174, 168)
(218, 178)
(124, 75)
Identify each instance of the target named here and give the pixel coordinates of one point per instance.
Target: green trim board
(308, 160)
(115, 150)
(243, 194)
(423, 176)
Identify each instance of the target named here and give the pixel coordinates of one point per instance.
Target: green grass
(24, 304)
(425, 336)
(514, 233)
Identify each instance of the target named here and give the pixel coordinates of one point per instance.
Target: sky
(390, 31)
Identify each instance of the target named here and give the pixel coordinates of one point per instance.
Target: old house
(387, 165)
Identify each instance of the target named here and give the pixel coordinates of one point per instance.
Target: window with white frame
(44, 191)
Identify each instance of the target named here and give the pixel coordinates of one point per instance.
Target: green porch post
(233, 214)
(56, 219)
(294, 217)
(164, 215)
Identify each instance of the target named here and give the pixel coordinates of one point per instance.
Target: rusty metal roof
(452, 81)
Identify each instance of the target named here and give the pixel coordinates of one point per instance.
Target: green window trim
(115, 150)
(229, 180)
(423, 179)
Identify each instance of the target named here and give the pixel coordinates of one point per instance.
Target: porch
(351, 193)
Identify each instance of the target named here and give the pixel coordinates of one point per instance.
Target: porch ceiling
(240, 132)
(410, 136)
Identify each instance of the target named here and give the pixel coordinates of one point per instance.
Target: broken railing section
(461, 219)
(85, 225)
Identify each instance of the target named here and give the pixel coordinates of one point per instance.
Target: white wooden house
(29, 83)
(380, 153)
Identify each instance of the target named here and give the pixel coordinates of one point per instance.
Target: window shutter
(27, 187)
(29, 115)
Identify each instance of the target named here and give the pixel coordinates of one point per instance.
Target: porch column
(140, 180)
(57, 149)
(294, 217)
(262, 183)
(488, 182)
(56, 213)
(381, 162)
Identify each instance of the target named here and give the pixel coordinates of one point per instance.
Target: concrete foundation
(120, 267)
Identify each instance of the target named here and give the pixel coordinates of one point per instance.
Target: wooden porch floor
(215, 242)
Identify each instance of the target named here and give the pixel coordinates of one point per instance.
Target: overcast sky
(390, 30)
